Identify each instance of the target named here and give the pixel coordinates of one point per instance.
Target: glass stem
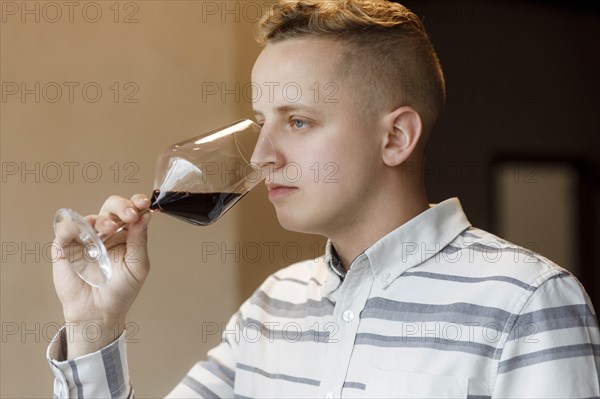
(123, 225)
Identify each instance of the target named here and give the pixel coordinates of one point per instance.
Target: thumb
(136, 255)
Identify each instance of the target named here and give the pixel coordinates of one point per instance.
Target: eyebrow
(291, 108)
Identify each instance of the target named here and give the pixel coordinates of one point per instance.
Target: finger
(119, 208)
(102, 224)
(60, 259)
(137, 232)
(91, 219)
(66, 231)
(139, 227)
(57, 251)
(137, 243)
(105, 224)
(63, 273)
(140, 201)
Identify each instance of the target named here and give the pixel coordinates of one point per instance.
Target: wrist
(85, 337)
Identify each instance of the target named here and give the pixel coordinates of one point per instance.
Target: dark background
(522, 83)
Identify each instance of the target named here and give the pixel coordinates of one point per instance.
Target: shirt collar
(333, 261)
(335, 270)
(411, 244)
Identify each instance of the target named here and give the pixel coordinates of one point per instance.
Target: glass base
(83, 249)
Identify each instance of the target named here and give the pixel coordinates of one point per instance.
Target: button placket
(352, 296)
(348, 316)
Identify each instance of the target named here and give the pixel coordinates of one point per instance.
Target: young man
(409, 299)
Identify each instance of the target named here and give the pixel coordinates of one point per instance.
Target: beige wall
(529, 195)
(161, 62)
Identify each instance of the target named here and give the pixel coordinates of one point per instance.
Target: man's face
(327, 157)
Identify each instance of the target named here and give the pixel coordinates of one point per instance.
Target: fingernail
(108, 222)
(131, 211)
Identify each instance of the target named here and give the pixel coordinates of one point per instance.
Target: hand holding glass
(196, 180)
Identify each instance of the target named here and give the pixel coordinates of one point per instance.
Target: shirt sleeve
(104, 374)
(553, 346)
(215, 377)
(101, 374)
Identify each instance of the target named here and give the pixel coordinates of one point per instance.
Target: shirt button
(329, 395)
(385, 276)
(348, 316)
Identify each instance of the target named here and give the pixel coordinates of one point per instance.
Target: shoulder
(480, 253)
(482, 268)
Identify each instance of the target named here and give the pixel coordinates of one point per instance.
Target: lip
(278, 190)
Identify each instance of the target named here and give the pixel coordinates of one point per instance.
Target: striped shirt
(434, 309)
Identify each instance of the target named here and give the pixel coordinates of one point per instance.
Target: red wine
(197, 208)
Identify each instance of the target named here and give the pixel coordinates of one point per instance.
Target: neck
(351, 241)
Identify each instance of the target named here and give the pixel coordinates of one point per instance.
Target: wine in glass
(196, 180)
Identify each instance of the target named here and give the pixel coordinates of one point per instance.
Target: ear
(403, 130)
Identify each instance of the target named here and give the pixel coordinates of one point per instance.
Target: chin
(298, 222)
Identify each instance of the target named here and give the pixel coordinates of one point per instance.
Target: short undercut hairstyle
(386, 54)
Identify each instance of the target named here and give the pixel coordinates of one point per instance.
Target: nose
(264, 153)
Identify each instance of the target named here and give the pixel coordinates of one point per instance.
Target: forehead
(298, 61)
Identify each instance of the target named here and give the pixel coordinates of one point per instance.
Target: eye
(299, 123)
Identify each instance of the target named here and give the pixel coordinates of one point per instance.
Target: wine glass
(196, 180)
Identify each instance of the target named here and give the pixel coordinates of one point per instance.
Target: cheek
(336, 160)
(317, 164)
(327, 172)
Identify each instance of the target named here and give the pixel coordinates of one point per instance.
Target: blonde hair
(388, 55)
